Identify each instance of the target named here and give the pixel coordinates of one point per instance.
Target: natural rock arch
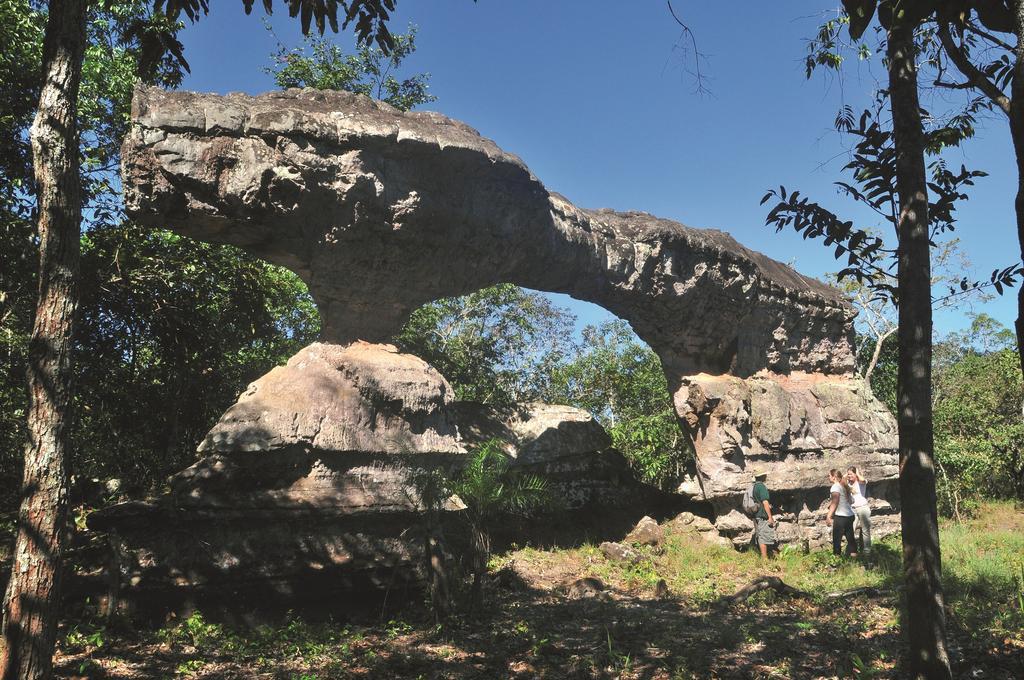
(380, 211)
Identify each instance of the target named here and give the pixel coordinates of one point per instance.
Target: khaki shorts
(764, 534)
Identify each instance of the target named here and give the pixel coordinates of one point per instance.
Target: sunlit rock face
(380, 211)
(795, 428)
(358, 397)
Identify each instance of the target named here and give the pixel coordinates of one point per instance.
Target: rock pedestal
(795, 428)
(307, 485)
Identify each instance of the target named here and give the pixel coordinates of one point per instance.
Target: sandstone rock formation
(311, 477)
(380, 211)
(796, 428)
(359, 397)
(562, 444)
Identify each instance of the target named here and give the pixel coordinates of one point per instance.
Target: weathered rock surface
(380, 211)
(583, 587)
(795, 428)
(617, 552)
(562, 444)
(646, 532)
(358, 397)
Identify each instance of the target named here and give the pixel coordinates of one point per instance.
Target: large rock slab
(380, 211)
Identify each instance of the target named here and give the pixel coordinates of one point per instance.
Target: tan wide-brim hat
(760, 474)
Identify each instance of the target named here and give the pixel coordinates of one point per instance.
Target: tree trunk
(481, 546)
(1017, 134)
(925, 617)
(31, 601)
(436, 567)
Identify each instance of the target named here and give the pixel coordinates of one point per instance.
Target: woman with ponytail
(840, 514)
(861, 507)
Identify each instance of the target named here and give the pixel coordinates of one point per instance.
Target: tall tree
(922, 560)
(30, 603)
(901, 168)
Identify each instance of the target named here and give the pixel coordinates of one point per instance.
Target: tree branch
(952, 86)
(764, 583)
(988, 36)
(879, 342)
(973, 74)
(697, 56)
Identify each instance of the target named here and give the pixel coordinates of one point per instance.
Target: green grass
(983, 571)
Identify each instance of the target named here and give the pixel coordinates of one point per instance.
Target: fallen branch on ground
(764, 583)
(870, 591)
(782, 588)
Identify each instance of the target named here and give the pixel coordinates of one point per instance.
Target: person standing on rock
(840, 514)
(764, 522)
(861, 508)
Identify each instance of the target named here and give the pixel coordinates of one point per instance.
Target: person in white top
(861, 508)
(840, 514)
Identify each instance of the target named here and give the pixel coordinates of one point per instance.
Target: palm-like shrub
(490, 488)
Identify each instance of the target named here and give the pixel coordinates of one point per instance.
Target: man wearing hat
(764, 522)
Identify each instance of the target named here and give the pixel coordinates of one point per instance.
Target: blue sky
(598, 101)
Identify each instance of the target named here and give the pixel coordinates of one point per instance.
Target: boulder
(583, 587)
(617, 552)
(734, 522)
(646, 532)
(356, 397)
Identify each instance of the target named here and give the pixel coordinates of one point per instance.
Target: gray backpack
(750, 506)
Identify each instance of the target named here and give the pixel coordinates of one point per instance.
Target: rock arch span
(380, 211)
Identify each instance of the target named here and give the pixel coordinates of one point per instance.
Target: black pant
(843, 526)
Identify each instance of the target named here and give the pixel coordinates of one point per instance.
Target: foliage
(322, 65)
(873, 168)
(370, 16)
(504, 344)
(114, 56)
(979, 433)
(977, 395)
(172, 328)
(21, 40)
(620, 380)
(489, 488)
(883, 378)
(498, 345)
